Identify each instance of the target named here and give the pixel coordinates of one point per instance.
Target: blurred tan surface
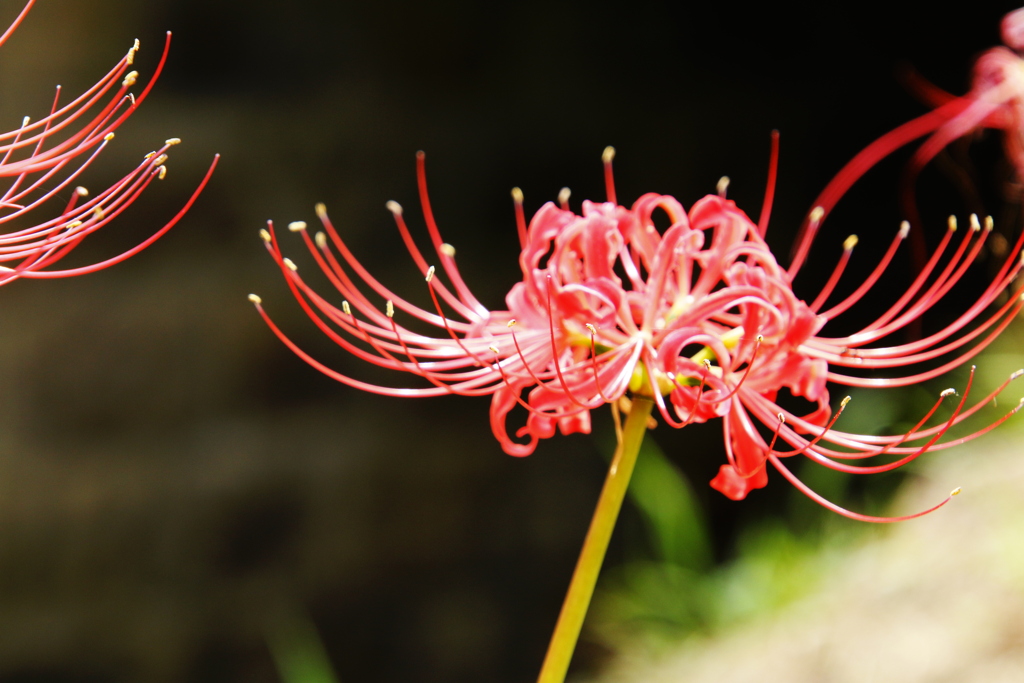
(931, 600)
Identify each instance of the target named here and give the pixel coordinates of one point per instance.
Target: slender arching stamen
(769, 189)
(819, 437)
(848, 246)
(609, 179)
(771, 449)
(79, 192)
(873, 277)
(517, 201)
(824, 502)
(525, 404)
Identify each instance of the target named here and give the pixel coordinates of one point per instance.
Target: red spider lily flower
(44, 159)
(700, 318)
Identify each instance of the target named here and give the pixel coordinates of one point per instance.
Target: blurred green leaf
(298, 652)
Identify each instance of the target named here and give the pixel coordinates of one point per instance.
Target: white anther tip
(989, 223)
(297, 226)
(345, 308)
(517, 195)
(593, 330)
(948, 392)
(81, 191)
(1017, 373)
(782, 418)
(608, 154)
(904, 229)
(956, 491)
(817, 213)
(321, 210)
(563, 195)
(975, 223)
(290, 264)
(389, 308)
(170, 142)
(430, 273)
(448, 250)
(394, 207)
(255, 299)
(722, 186)
(129, 80)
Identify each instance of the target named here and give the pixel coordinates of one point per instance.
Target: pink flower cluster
(43, 161)
(699, 318)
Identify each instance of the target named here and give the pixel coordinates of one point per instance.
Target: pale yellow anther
(608, 154)
(389, 309)
(1016, 373)
(73, 224)
(904, 229)
(130, 79)
(430, 273)
(160, 159)
(517, 195)
(956, 491)
(130, 57)
(321, 240)
(98, 213)
(850, 242)
(255, 299)
(290, 264)
(81, 191)
(321, 210)
(951, 223)
(108, 137)
(131, 96)
(449, 251)
(563, 195)
(24, 121)
(948, 392)
(975, 223)
(511, 323)
(707, 364)
(161, 172)
(394, 207)
(782, 418)
(989, 223)
(265, 236)
(171, 142)
(593, 330)
(297, 226)
(494, 350)
(842, 404)
(149, 155)
(817, 213)
(345, 308)
(722, 186)
(760, 338)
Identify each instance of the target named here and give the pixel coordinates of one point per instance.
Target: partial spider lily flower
(700, 318)
(44, 212)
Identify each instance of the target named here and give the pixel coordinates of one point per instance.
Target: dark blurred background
(182, 499)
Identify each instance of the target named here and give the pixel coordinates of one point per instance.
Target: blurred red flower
(44, 159)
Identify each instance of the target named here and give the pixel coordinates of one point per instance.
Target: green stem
(584, 578)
